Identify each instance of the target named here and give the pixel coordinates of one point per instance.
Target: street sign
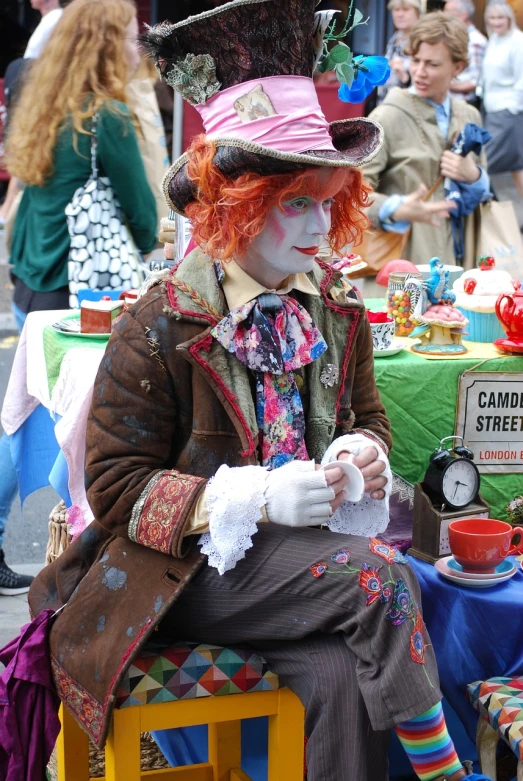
(490, 419)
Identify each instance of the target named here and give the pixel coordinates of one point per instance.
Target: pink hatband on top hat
(298, 124)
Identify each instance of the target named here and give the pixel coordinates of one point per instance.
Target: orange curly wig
(228, 214)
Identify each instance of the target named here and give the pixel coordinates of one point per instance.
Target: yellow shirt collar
(239, 287)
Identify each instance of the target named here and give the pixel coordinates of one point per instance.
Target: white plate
(354, 267)
(394, 348)
(59, 330)
(469, 583)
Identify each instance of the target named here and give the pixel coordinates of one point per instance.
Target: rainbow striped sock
(428, 744)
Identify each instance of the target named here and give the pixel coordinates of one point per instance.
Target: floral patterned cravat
(273, 335)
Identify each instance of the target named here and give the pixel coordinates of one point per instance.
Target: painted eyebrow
(309, 198)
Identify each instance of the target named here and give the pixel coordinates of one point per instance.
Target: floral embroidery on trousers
(394, 593)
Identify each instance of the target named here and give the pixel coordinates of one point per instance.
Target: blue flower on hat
(370, 73)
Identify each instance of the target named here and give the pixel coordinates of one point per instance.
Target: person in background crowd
(91, 57)
(12, 583)
(142, 100)
(420, 124)
(502, 83)
(83, 71)
(51, 11)
(465, 84)
(405, 14)
(165, 99)
(13, 80)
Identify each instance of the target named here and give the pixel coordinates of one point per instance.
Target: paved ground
(6, 319)
(26, 534)
(13, 610)
(506, 191)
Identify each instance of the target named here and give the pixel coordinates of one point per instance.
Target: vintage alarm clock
(449, 491)
(452, 477)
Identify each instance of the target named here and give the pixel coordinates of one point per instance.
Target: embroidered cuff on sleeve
(160, 515)
(235, 497)
(368, 517)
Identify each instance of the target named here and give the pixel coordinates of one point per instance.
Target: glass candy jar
(398, 302)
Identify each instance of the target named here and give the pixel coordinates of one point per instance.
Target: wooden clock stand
(430, 527)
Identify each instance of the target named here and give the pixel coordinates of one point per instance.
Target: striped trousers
(339, 621)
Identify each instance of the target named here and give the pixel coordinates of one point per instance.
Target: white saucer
(394, 348)
(443, 570)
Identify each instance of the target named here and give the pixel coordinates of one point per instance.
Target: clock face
(460, 483)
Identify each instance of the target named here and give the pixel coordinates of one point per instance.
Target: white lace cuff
(368, 517)
(235, 497)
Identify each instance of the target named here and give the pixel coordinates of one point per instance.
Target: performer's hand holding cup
(303, 494)
(353, 487)
(371, 469)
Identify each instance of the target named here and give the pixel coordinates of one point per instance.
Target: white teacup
(382, 334)
(355, 487)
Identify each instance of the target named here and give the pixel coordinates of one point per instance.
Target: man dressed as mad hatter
(222, 393)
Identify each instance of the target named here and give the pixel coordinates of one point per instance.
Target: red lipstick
(308, 250)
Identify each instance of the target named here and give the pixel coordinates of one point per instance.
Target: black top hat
(246, 66)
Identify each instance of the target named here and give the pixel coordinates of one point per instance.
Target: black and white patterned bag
(103, 255)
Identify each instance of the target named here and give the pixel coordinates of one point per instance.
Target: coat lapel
(195, 296)
(229, 378)
(326, 376)
(457, 120)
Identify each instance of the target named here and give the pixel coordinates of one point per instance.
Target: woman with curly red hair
(235, 412)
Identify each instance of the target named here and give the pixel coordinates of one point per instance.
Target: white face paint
(289, 242)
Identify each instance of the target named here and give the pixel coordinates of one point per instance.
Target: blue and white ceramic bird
(436, 285)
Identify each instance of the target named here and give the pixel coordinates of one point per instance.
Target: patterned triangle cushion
(500, 702)
(189, 670)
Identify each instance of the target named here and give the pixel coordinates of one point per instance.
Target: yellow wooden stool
(222, 712)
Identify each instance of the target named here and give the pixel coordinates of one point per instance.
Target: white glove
(298, 495)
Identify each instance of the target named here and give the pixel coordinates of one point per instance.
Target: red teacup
(480, 545)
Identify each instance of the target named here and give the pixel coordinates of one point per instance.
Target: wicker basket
(59, 536)
(150, 754)
(151, 758)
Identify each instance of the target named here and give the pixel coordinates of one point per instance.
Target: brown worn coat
(170, 405)
(410, 156)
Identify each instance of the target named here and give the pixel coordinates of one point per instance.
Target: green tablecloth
(56, 345)
(420, 397)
